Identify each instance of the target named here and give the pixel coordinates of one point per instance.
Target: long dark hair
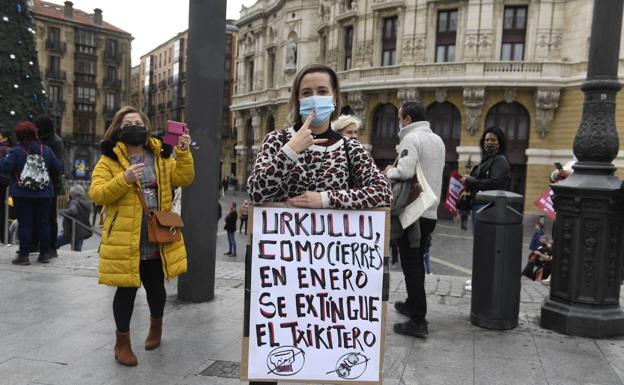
(502, 141)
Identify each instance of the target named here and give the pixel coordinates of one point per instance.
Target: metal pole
(205, 75)
(6, 216)
(73, 236)
(587, 257)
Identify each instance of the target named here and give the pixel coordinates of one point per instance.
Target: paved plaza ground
(56, 328)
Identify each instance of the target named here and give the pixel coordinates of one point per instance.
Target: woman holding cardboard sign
(310, 165)
(133, 180)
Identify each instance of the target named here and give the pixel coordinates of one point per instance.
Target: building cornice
(88, 27)
(260, 13)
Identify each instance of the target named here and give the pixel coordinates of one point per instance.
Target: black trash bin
(497, 261)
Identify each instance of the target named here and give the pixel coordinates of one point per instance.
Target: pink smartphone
(174, 131)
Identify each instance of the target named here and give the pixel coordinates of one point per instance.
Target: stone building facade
(517, 64)
(85, 63)
(160, 89)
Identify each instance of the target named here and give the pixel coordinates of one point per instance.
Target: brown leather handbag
(162, 226)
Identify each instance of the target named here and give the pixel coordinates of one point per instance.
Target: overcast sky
(151, 22)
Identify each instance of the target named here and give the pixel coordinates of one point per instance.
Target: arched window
(249, 142)
(445, 121)
(270, 124)
(515, 121)
(385, 133)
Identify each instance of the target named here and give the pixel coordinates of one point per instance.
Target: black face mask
(133, 135)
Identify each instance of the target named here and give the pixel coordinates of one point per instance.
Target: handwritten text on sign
(316, 294)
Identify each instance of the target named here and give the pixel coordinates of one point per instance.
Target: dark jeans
(33, 215)
(153, 281)
(53, 227)
(63, 240)
(243, 225)
(412, 263)
(3, 189)
(231, 235)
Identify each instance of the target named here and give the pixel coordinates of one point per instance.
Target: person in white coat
(419, 144)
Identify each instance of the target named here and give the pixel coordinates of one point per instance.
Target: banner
(316, 310)
(454, 192)
(545, 203)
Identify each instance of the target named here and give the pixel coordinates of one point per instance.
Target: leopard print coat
(279, 173)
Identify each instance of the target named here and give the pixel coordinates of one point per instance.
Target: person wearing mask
(493, 171)
(347, 126)
(135, 166)
(30, 165)
(5, 147)
(309, 165)
(418, 144)
(243, 214)
(230, 227)
(79, 208)
(283, 171)
(47, 135)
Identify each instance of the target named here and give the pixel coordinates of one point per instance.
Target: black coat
(58, 147)
(230, 221)
(491, 174)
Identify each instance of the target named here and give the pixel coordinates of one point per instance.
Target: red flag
(545, 203)
(454, 191)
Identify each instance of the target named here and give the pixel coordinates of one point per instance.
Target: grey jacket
(420, 144)
(79, 208)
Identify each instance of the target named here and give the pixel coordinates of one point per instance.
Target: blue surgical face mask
(322, 105)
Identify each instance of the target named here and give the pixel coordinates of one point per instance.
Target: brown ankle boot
(123, 350)
(155, 332)
(21, 260)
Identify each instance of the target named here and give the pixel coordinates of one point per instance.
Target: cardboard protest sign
(545, 203)
(454, 192)
(315, 304)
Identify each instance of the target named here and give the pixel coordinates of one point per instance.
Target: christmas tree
(21, 93)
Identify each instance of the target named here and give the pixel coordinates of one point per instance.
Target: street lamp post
(588, 240)
(206, 57)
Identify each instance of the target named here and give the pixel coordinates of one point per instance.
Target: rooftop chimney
(97, 16)
(69, 10)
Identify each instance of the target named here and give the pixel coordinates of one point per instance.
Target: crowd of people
(317, 162)
(31, 170)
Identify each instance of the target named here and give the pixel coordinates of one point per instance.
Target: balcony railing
(111, 55)
(109, 111)
(182, 101)
(183, 76)
(161, 106)
(169, 104)
(56, 74)
(170, 80)
(56, 46)
(162, 84)
(112, 83)
(512, 67)
(380, 71)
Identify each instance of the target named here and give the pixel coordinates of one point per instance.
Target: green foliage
(18, 65)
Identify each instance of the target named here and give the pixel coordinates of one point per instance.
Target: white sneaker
(468, 287)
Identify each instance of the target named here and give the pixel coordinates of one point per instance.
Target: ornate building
(160, 89)
(85, 63)
(515, 64)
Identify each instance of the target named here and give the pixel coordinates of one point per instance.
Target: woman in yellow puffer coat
(132, 158)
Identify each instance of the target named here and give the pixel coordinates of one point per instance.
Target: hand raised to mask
(303, 138)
